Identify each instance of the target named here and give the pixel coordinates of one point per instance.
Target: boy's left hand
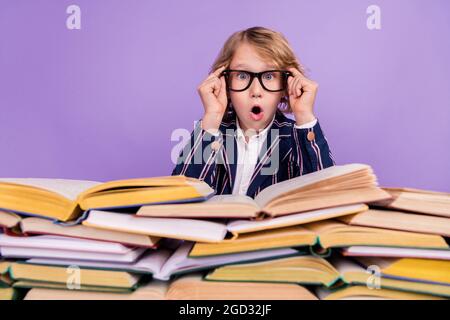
(302, 93)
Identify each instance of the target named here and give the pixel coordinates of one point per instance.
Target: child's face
(246, 58)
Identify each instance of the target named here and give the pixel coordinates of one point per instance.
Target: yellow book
(261, 240)
(422, 276)
(410, 275)
(299, 269)
(64, 199)
(336, 234)
(323, 234)
(359, 292)
(64, 287)
(62, 276)
(423, 269)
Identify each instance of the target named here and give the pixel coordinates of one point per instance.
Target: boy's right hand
(214, 98)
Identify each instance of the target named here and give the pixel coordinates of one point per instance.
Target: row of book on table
(331, 234)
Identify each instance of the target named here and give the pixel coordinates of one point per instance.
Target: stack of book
(331, 234)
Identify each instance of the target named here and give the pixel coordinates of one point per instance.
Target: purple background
(101, 103)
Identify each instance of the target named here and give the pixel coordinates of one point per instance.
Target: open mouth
(257, 113)
(256, 109)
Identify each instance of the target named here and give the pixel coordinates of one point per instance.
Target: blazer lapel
(229, 152)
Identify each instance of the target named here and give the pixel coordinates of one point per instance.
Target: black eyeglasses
(270, 80)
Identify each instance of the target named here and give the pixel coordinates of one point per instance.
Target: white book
(205, 230)
(368, 251)
(184, 229)
(27, 253)
(149, 262)
(39, 226)
(63, 243)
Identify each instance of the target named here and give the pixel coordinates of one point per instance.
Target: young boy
(244, 143)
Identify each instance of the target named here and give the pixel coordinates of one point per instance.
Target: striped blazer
(288, 152)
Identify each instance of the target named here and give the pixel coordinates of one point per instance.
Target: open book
(416, 200)
(190, 287)
(415, 275)
(330, 187)
(164, 263)
(64, 200)
(57, 247)
(39, 226)
(399, 220)
(206, 230)
(302, 269)
(320, 235)
(193, 287)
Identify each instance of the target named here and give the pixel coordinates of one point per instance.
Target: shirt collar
(261, 135)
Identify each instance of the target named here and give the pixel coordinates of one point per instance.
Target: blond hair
(270, 45)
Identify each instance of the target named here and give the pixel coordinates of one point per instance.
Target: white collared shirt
(248, 152)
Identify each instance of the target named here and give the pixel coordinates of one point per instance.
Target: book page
(63, 244)
(244, 226)
(325, 226)
(270, 193)
(166, 181)
(180, 261)
(397, 220)
(393, 252)
(37, 226)
(229, 198)
(150, 262)
(67, 188)
(344, 265)
(154, 261)
(202, 187)
(219, 206)
(27, 253)
(413, 191)
(381, 262)
(195, 288)
(174, 228)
